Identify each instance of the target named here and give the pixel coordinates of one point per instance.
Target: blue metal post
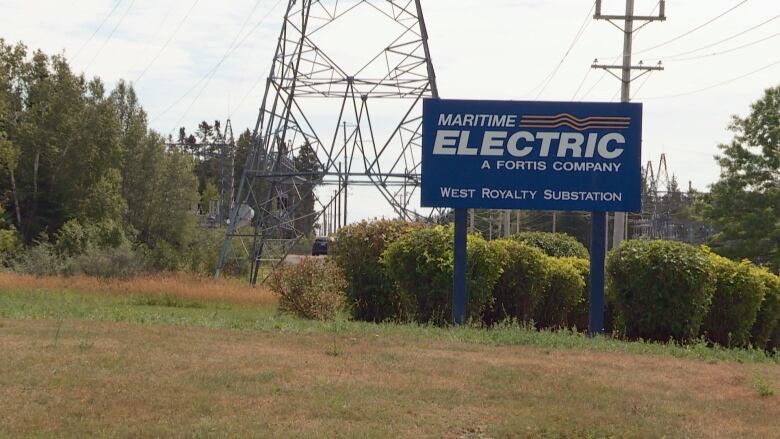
(459, 297)
(598, 251)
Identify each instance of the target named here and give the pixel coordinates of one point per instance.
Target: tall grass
(179, 286)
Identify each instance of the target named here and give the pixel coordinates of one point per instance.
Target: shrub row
(663, 290)
(403, 271)
(357, 250)
(656, 290)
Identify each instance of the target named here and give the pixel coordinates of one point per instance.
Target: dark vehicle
(320, 246)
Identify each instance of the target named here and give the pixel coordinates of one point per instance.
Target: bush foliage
(357, 250)
(768, 316)
(521, 284)
(559, 245)
(563, 292)
(660, 289)
(737, 297)
(578, 317)
(312, 289)
(421, 264)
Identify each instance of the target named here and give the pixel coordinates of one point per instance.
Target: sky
(194, 60)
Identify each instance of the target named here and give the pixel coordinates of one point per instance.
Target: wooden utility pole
(619, 228)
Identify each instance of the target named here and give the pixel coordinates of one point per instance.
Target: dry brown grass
(120, 380)
(180, 286)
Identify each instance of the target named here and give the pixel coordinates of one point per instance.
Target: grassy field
(182, 357)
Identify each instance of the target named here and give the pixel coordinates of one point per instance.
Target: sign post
(565, 156)
(598, 252)
(459, 294)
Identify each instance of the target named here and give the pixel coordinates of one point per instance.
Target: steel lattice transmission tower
(317, 101)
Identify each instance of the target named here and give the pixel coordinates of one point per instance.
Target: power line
(547, 79)
(168, 41)
(722, 52)
(685, 34)
(636, 92)
(111, 35)
(728, 81)
(232, 48)
(598, 81)
(731, 37)
(579, 87)
(160, 27)
(249, 92)
(102, 23)
(216, 67)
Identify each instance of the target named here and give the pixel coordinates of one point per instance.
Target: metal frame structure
(222, 148)
(302, 73)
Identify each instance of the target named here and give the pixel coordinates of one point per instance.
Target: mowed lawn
(142, 362)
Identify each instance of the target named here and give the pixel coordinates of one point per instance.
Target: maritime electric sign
(531, 155)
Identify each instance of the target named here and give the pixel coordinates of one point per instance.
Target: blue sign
(531, 155)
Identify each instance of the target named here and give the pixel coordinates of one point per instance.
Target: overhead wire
(233, 46)
(685, 34)
(716, 43)
(168, 41)
(213, 70)
(579, 87)
(102, 23)
(158, 30)
(638, 89)
(723, 52)
(719, 84)
(111, 35)
(547, 79)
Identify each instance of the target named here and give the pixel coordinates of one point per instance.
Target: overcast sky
(492, 49)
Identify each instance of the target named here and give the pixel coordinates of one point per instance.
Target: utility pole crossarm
(620, 67)
(660, 17)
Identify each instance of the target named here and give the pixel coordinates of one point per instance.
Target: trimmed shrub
(578, 317)
(660, 289)
(735, 303)
(559, 245)
(521, 284)
(768, 317)
(421, 264)
(312, 289)
(357, 250)
(563, 291)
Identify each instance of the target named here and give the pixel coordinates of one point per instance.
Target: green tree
(745, 202)
(306, 161)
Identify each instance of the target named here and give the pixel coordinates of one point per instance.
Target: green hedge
(522, 282)
(559, 245)
(768, 317)
(421, 264)
(563, 292)
(357, 250)
(660, 289)
(578, 317)
(735, 303)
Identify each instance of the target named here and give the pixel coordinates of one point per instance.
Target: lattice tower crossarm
(276, 185)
